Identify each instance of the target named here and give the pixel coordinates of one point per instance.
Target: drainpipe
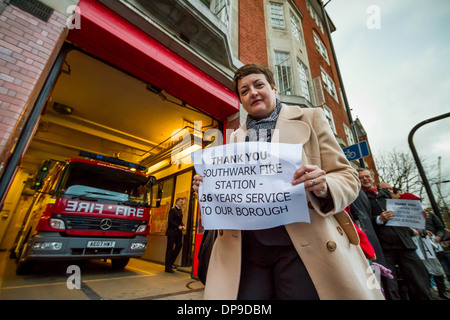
(344, 94)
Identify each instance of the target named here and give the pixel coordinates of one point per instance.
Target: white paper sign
(419, 252)
(407, 213)
(247, 186)
(429, 248)
(437, 246)
(426, 249)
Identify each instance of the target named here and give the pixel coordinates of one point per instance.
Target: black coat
(174, 222)
(391, 238)
(435, 225)
(360, 211)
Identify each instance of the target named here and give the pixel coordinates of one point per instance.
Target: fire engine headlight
(137, 245)
(48, 245)
(57, 224)
(141, 228)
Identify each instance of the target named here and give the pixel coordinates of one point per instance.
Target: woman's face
(258, 98)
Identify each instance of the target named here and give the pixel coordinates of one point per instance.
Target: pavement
(140, 280)
(170, 286)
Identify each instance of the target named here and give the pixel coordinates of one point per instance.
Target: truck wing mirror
(153, 184)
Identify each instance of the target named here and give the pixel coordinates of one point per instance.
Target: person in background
(396, 193)
(360, 211)
(174, 235)
(435, 229)
(396, 243)
(386, 186)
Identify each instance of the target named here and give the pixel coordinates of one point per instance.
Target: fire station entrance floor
(95, 280)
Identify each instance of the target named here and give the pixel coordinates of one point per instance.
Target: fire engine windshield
(93, 182)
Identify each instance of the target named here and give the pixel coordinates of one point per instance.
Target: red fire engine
(97, 208)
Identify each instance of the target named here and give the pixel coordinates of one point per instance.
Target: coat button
(331, 246)
(220, 232)
(339, 229)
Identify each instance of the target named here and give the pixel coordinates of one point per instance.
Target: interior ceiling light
(62, 108)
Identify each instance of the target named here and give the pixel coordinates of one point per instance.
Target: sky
(394, 57)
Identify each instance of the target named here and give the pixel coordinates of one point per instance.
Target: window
(342, 98)
(158, 222)
(328, 84)
(219, 5)
(284, 73)
(277, 15)
(321, 47)
(106, 183)
(348, 133)
(206, 2)
(324, 79)
(295, 25)
(329, 116)
(304, 80)
(221, 9)
(314, 15)
(317, 89)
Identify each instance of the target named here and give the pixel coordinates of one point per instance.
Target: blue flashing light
(113, 160)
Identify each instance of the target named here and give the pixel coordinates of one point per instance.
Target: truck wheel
(119, 264)
(24, 266)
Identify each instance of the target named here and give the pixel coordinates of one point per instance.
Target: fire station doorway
(100, 109)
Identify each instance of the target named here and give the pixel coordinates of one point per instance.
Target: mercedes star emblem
(105, 224)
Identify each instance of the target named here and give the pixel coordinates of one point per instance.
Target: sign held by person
(247, 186)
(407, 213)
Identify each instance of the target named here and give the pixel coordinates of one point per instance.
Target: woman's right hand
(196, 182)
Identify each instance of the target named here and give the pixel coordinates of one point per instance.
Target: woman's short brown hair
(251, 69)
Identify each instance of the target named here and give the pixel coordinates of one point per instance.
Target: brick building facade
(318, 62)
(266, 28)
(28, 47)
(256, 44)
(252, 32)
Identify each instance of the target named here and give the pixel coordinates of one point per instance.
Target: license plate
(101, 244)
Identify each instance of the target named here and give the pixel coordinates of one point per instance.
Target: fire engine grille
(86, 223)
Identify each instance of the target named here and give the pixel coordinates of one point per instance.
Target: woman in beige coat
(328, 246)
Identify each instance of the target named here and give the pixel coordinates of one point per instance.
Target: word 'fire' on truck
(86, 209)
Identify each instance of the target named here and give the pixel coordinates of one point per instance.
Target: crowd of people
(415, 273)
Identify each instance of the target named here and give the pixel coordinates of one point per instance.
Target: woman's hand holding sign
(196, 182)
(314, 179)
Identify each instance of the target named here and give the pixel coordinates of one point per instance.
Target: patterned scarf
(261, 130)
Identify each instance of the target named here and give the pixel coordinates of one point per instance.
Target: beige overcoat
(329, 245)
